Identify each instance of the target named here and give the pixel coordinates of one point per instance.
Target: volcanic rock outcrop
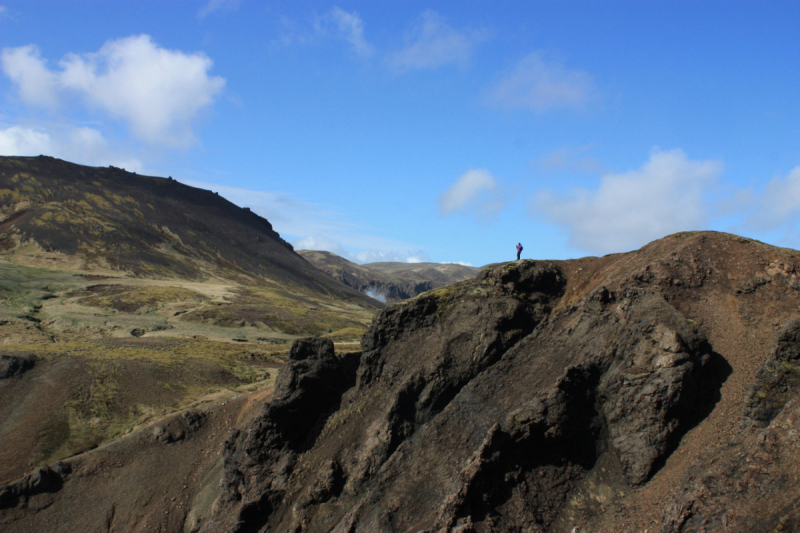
(261, 457)
(478, 407)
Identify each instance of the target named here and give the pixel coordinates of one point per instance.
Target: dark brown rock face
(261, 457)
(477, 407)
(44, 479)
(11, 365)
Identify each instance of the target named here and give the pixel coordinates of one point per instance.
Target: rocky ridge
(481, 406)
(654, 390)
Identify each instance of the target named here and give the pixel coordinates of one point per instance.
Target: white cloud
(215, 5)
(157, 92)
(631, 209)
(86, 146)
(778, 206)
(474, 192)
(387, 251)
(383, 256)
(318, 242)
(541, 86)
(467, 188)
(24, 141)
(350, 27)
(432, 43)
(26, 68)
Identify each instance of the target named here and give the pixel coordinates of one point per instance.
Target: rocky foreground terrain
(650, 391)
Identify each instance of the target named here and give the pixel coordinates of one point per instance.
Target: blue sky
(444, 131)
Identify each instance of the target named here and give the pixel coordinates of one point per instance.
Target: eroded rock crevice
(526, 466)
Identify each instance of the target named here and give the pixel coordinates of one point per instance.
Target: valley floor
(110, 353)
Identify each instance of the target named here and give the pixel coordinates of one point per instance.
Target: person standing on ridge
(519, 250)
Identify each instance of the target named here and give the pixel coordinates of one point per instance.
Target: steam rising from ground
(376, 295)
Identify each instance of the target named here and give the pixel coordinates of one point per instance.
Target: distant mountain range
(389, 282)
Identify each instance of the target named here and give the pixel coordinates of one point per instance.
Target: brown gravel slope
(163, 477)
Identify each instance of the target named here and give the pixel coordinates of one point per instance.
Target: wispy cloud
(778, 205)
(476, 192)
(316, 227)
(350, 27)
(628, 210)
(6, 13)
(358, 245)
(542, 85)
(156, 92)
(334, 24)
(292, 32)
(570, 159)
(82, 145)
(217, 5)
(375, 251)
(432, 43)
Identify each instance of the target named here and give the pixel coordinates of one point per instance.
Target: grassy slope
(139, 297)
(95, 381)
